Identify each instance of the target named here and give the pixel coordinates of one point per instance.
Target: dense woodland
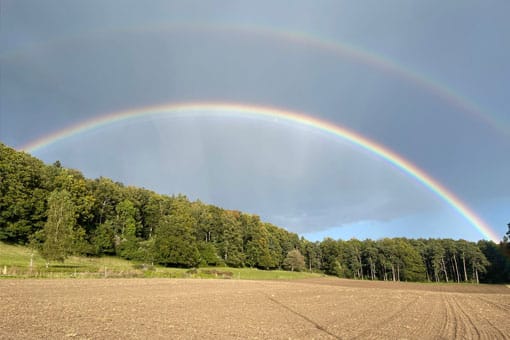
(59, 212)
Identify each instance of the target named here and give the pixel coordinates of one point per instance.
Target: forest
(59, 213)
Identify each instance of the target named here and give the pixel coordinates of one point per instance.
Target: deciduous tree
(294, 260)
(174, 242)
(59, 234)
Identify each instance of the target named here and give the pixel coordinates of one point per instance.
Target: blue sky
(62, 63)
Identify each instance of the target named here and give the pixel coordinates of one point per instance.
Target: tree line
(59, 212)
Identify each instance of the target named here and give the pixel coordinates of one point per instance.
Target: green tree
(463, 248)
(174, 242)
(208, 254)
(231, 239)
(205, 228)
(59, 234)
(312, 254)
(107, 195)
(118, 232)
(103, 239)
(330, 252)
(23, 195)
(294, 261)
(499, 269)
(505, 244)
(479, 262)
(275, 239)
(125, 220)
(156, 207)
(411, 263)
(436, 253)
(258, 253)
(370, 257)
(352, 256)
(75, 184)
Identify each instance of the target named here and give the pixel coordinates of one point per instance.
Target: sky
(427, 80)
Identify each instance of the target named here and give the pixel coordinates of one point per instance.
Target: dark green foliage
(101, 217)
(23, 195)
(107, 195)
(103, 239)
(76, 185)
(498, 270)
(257, 244)
(230, 243)
(209, 254)
(351, 257)
(412, 268)
(330, 260)
(175, 244)
(125, 230)
(59, 236)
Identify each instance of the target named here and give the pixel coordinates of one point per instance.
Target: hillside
(61, 214)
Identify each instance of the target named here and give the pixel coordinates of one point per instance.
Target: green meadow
(21, 262)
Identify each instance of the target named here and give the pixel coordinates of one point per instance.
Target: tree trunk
(465, 271)
(372, 269)
(475, 273)
(31, 262)
(456, 268)
(361, 267)
(444, 269)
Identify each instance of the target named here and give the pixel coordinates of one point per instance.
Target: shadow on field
(318, 326)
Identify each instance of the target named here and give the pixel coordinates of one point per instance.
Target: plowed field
(306, 309)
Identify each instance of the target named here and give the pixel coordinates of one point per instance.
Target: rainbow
(344, 50)
(240, 110)
(384, 64)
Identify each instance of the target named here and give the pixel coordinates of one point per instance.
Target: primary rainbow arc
(242, 110)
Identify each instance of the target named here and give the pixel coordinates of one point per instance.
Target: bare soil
(305, 309)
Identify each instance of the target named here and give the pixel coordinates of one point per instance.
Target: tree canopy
(60, 212)
(59, 235)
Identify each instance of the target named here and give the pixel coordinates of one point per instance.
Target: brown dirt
(305, 309)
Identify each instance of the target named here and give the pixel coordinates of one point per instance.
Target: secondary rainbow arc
(342, 49)
(243, 110)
